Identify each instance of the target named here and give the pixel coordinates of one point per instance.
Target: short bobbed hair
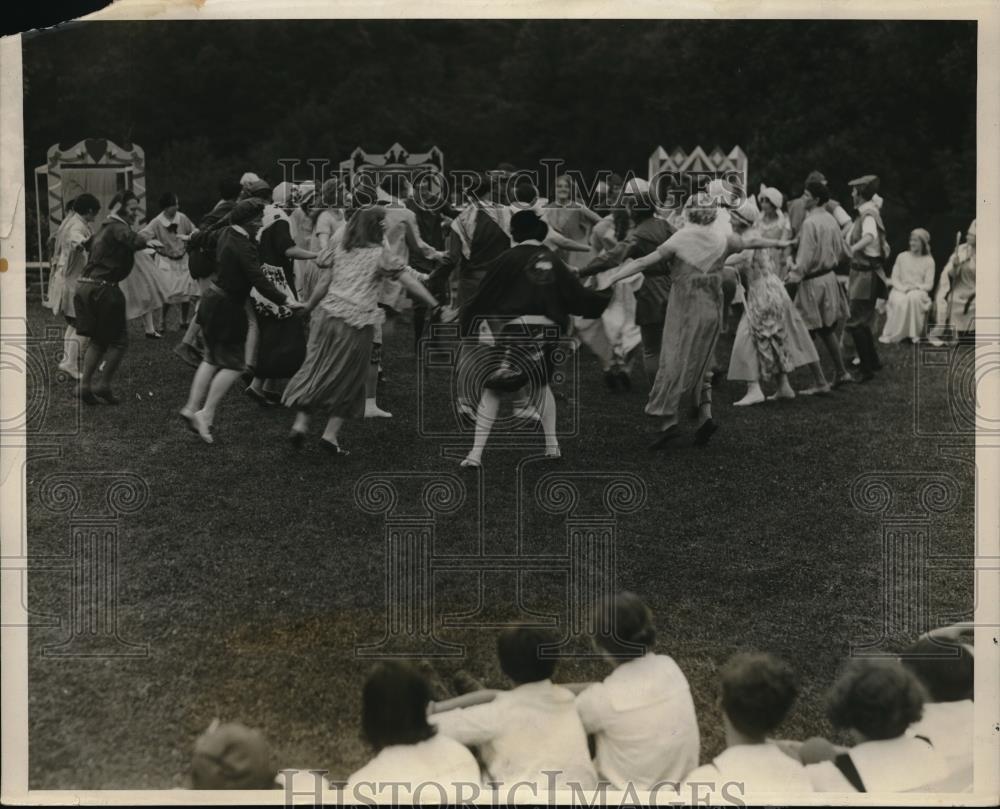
(878, 699)
(519, 649)
(944, 667)
(818, 191)
(757, 691)
(86, 204)
(631, 632)
(168, 199)
(394, 706)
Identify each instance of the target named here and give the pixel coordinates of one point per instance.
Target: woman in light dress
(69, 257)
(955, 301)
(771, 340)
(696, 255)
(773, 224)
(909, 291)
(344, 313)
(172, 229)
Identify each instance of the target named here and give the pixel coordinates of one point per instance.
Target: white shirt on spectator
(949, 727)
(439, 760)
(644, 721)
(903, 764)
(756, 768)
(523, 733)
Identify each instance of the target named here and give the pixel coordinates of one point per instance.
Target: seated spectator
(531, 729)
(642, 715)
(394, 707)
(877, 702)
(756, 693)
(945, 669)
(232, 756)
(909, 296)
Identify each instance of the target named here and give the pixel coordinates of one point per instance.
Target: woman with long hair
(344, 312)
(956, 292)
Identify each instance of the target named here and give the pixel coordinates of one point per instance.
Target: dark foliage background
(219, 98)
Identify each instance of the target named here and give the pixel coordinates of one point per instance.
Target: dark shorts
(100, 314)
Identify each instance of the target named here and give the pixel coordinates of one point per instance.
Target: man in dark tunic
(100, 304)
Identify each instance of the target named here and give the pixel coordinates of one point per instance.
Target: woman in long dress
(69, 257)
(695, 255)
(956, 294)
(172, 229)
(344, 313)
(771, 340)
(773, 224)
(910, 284)
(146, 289)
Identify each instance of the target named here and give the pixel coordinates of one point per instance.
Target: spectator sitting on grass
(232, 756)
(394, 706)
(945, 667)
(527, 731)
(756, 693)
(877, 702)
(642, 715)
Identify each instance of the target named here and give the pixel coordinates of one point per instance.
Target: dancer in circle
(172, 229)
(819, 298)
(223, 316)
(100, 305)
(526, 293)
(771, 339)
(695, 255)
(68, 260)
(344, 313)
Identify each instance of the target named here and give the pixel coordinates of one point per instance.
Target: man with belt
(100, 304)
(868, 249)
(819, 298)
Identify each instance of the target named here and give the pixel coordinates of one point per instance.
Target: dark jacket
(238, 263)
(529, 279)
(112, 254)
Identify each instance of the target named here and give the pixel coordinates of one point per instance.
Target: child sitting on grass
(756, 693)
(642, 715)
(531, 733)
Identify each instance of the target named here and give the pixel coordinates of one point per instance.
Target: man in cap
(868, 249)
(797, 207)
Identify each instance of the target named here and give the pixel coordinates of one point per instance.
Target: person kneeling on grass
(756, 692)
(642, 715)
(394, 707)
(529, 731)
(223, 318)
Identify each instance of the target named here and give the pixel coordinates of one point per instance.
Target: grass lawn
(252, 574)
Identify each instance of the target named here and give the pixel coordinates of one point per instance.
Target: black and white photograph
(501, 405)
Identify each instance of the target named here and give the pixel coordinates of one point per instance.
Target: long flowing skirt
(307, 275)
(144, 288)
(332, 378)
(690, 331)
(177, 280)
(771, 337)
(905, 315)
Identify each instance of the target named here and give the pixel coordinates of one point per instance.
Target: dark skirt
(100, 313)
(223, 321)
(332, 377)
